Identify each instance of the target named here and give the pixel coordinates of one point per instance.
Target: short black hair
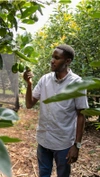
(68, 50)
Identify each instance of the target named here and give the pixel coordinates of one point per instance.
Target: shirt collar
(61, 80)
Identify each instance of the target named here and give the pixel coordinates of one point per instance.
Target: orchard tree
(12, 14)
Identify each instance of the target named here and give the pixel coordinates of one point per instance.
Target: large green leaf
(73, 90)
(63, 96)
(91, 111)
(5, 123)
(85, 84)
(8, 114)
(7, 139)
(5, 163)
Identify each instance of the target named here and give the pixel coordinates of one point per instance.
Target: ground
(23, 154)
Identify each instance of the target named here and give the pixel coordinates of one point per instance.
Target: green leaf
(97, 125)
(6, 40)
(21, 3)
(8, 114)
(28, 49)
(5, 123)
(62, 96)
(24, 57)
(65, 1)
(95, 15)
(7, 139)
(95, 64)
(15, 23)
(29, 11)
(2, 32)
(28, 21)
(73, 90)
(33, 60)
(12, 20)
(23, 28)
(40, 10)
(84, 84)
(5, 163)
(91, 111)
(35, 18)
(3, 15)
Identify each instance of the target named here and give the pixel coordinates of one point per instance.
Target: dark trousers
(45, 162)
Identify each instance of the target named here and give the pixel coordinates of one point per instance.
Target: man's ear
(68, 61)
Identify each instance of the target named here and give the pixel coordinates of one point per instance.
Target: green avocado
(21, 67)
(15, 68)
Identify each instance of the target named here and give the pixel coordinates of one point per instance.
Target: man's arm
(30, 101)
(80, 126)
(74, 151)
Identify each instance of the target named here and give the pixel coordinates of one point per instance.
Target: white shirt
(57, 121)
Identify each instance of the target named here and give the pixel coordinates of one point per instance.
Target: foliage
(13, 13)
(7, 118)
(5, 166)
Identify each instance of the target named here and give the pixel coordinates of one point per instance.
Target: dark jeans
(45, 162)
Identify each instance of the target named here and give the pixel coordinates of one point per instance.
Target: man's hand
(27, 76)
(72, 155)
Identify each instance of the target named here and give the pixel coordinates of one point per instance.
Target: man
(61, 124)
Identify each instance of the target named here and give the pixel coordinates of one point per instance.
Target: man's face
(58, 61)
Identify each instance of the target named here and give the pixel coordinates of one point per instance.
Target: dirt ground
(23, 154)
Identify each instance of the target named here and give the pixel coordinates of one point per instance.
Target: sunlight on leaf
(8, 114)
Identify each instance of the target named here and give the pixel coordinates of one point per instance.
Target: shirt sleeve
(36, 92)
(82, 102)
